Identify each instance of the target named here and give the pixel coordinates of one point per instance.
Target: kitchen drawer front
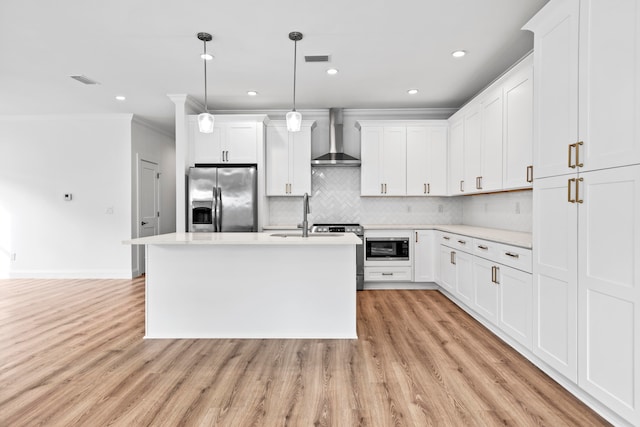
(457, 241)
(515, 257)
(512, 256)
(387, 274)
(486, 249)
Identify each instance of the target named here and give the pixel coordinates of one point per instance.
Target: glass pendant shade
(205, 123)
(294, 120)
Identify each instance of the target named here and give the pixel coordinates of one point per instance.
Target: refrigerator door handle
(215, 209)
(219, 210)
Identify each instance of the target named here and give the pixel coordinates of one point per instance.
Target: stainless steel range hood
(336, 155)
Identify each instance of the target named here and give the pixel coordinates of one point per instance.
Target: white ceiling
(147, 49)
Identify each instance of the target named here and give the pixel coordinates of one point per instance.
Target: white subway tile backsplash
(336, 198)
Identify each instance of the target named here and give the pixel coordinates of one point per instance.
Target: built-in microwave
(387, 249)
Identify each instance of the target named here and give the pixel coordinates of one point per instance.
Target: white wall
(152, 145)
(41, 159)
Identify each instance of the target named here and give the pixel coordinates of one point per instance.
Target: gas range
(338, 228)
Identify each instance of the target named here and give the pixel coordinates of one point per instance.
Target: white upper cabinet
(427, 160)
(394, 161)
(587, 91)
(491, 138)
(402, 157)
(456, 155)
(517, 146)
(472, 146)
(234, 140)
(288, 165)
(556, 88)
(490, 178)
(609, 76)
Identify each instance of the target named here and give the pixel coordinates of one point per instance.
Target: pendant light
(294, 118)
(205, 120)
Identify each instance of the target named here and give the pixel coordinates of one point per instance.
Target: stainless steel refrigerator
(223, 198)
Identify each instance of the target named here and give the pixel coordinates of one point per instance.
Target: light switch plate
(68, 197)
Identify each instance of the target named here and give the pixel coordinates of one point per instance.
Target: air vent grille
(84, 79)
(316, 58)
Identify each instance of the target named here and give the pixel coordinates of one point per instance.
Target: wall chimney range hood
(336, 155)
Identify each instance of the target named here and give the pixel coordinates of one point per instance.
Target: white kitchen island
(250, 285)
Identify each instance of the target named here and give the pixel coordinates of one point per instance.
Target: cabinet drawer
(457, 241)
(486, 249)
(387, 274)
(515, 257)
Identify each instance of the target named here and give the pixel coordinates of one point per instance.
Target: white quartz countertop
(266, 238)
(515, 238)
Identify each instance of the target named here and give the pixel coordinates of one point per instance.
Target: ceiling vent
(84, 79)
(316, 58)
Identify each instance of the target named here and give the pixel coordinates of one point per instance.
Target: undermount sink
(310, 235)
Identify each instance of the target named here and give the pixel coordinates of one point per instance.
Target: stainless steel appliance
(347, 228)
(384, 248)
(222, 198)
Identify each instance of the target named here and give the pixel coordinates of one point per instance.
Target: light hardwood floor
(72, 353)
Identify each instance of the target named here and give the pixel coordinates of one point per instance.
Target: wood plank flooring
(72, 353)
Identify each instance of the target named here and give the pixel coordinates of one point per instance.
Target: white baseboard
(72, 274)
(399, 285)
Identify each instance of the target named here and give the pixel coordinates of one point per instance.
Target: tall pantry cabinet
(586, 196)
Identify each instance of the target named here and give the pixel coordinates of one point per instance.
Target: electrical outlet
(13, 256)
(408, 208)
(109, 211)
(440, 208)
(517, 207)
(486, 207)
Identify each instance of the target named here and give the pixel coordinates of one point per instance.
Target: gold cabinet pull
(416, 237)
(428, 188)
(494, 274)
(425, 188)
(578, 163)
(381, 188)
(462, 242)
(571, 165)
(569, 199)
(512, 255)
(483, 247)
(453, 258)
(578, 199)
(462, 186)
(446, 237)
(530, 173)
(478, 183)
(385, 188)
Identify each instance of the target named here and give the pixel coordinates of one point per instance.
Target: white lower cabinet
(474, 271)
(485, 301)
(423, 255)
(515, 309)
(464, 277)
(448, 272)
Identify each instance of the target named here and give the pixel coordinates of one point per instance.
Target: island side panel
(246, 291)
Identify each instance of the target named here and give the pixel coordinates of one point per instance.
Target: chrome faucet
(305, 210)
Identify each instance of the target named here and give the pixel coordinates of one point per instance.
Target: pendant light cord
(295, 51)
(206, 109)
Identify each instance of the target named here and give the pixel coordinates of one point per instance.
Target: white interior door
(148, 204)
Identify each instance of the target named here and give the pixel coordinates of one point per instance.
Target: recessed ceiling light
(120, 98)
(412, 91)
(458, 53)
(332, 71)
(206, 56)
(252, 93)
